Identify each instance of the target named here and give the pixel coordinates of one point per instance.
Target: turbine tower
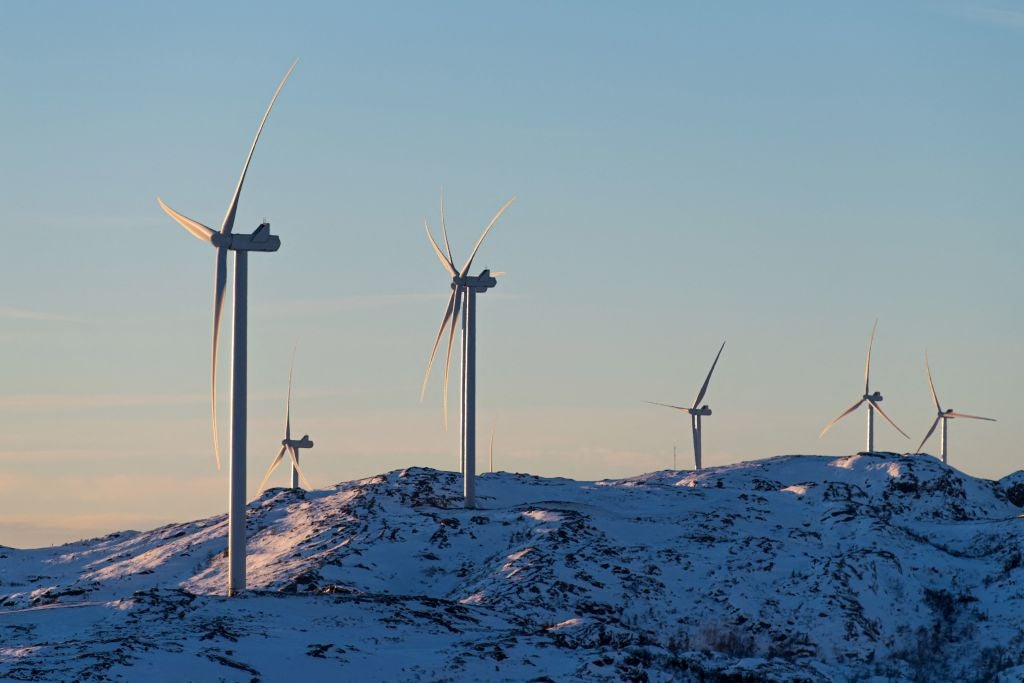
(289, 444)
(695, 413)
(465, 288)
(943, 416)
(872, 400)
(225, 241)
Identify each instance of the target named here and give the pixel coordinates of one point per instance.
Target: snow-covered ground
(812, 568)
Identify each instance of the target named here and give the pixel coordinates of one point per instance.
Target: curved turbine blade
(888, 419)
(704, 389)
(929, 434)
(437, 340)
(867, 363)
(451, 337)
(469, 262)
(220, 280)
(668, 405)
(229, 217)
(931, 385)
(444, 231)
(448, 265)
(288, 402)
(841, 416)
(273, 466)
(195, 227)
(295, 464)
(972, 417)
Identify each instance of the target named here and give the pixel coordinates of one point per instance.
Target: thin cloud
(994, 16)
(79, 401)
(37, 402)
(11, 313)
(346, 303)
(359, 302)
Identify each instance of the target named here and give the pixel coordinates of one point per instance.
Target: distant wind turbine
(696, 413)
(225, 241)
(490, 448)
(943, 416)
(465, 288)
(289, 444)
(872, 400)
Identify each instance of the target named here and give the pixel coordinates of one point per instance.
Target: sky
(776, 175)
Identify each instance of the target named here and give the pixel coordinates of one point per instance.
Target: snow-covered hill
(796, 568)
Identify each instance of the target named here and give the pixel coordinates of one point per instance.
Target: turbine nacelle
(479, 283)
(259, 240)
(304, 442)
(874, 398)
(704, 410)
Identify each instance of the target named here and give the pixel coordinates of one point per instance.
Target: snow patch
(568, 623)
(543, 515)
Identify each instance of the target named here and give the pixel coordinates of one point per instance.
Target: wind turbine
(490, 448)
(696, 413)
(943, 416)
(872, 400)
(225, 241)
(289, 444)
(465, 288)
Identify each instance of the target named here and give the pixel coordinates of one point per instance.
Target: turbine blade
(841, 416)
(704, 389)
(437, 340)
(295, 464)
(972, 417)
(867, 363)
(668, 405)
(273, 466)
(469, 262)
(931, 385)
(448, 265)
(229, 217)
(451, 337)
(444, 231)
(195, 227)
(931, 431)
(220, 280)
(888, 419)
(288, 402)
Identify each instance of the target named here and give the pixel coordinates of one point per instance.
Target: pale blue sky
(774, 174)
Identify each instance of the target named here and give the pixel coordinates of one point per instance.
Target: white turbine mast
(225, 241)
(462, 301)
(944, 416)
(288, 444)
(696, 413)
(872, 399)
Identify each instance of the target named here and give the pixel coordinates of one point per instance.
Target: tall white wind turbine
(871, 399)
(696, 413)
(462, 301)
(292, 446)
(241, 244)
(490, 447)
(943, 416)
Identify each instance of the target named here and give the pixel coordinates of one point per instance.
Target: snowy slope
(811, 568)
